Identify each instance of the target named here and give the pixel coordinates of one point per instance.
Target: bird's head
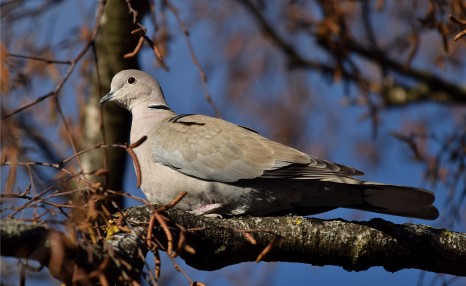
(130, 88)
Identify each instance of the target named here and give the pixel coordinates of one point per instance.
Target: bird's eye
(131, 80)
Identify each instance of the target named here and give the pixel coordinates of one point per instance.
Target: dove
(229, 170)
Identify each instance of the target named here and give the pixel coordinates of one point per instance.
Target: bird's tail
(391, 199)
(345, 192)
(398, 200)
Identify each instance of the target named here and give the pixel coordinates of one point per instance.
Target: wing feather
(213, 149)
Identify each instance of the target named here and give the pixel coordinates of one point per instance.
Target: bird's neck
(148, 118)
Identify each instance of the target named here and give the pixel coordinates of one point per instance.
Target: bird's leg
(207, 210)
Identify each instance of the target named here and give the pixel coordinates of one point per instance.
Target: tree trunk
(113, 41)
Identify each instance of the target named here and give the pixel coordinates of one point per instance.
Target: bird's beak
(106, 97)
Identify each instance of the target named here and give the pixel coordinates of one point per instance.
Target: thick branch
(352, 245)
(355, 246)
(81, 263)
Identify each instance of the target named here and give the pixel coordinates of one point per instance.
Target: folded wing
(214, 149)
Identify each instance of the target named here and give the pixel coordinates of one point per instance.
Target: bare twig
(136, 49)
(47, 61)
(158, 263)
(156, 216)
(194, 58)
(137, 166)
(268, 248)
(71, 68)
(173, 202)
(410, 141)
(459, 22)
(132, 11)
(249, 237)
(143, 37)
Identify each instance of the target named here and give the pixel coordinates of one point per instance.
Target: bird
(228, 170)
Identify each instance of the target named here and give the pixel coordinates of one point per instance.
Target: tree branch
(80, 262)
(450, 92)
(429, 87)
(217, 243)
(351, 245)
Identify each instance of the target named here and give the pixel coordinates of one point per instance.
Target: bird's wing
(213, 149)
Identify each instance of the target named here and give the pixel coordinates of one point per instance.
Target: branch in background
(212, 243)
(396, 95)
(452, 92)
(69, 71)
(429, 86)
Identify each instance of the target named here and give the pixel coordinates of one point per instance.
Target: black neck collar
(159, 106)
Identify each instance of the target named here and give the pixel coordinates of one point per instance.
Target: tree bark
(113, 41)
(218, 242)
(75, 263)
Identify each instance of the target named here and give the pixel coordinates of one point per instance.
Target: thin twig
(156, 216)
(132, 11)
(269, 247)
(459, 22)
(71, 68)
(249, 238)
(67, 129)
(48, 61)
(174, 202)
(459, 35)
(143, 37)
(158, 263)
(163, 224)
(136, 49)
(179, 269)
(157, 52)
(194, 58)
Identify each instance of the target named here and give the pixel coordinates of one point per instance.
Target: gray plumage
(229, 170)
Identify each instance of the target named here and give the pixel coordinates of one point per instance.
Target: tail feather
(368, 196)
(398, 200)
